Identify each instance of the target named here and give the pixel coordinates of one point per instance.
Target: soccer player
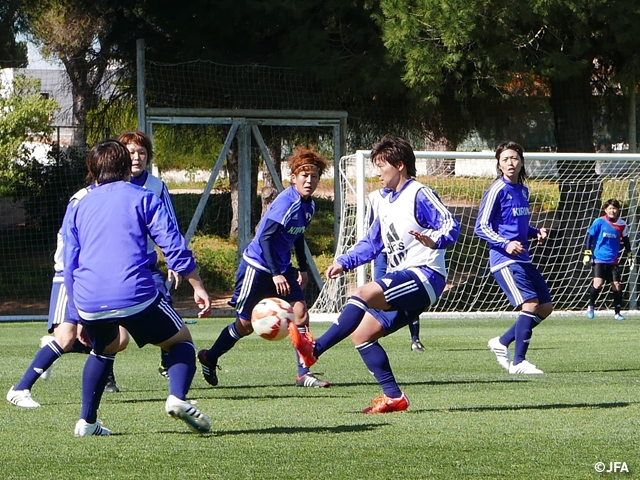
(109, 283)
(141, 151)
(266, 269)
(604, 238)
(380, 264)
(67, 334)
(503, 222)
(415, 229)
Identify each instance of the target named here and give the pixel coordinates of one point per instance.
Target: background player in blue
(109, 283)
(67, 333)
(414, 228)
(266, 269)
(380, 265)
(604, 239)
(503, 222)
(141, 151)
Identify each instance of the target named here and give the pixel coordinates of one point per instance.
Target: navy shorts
(409, 293)
(253, 285)
(522, 282)
(155, 324)
(58, 305)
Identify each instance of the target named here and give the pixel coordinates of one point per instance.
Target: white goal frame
(356, 173)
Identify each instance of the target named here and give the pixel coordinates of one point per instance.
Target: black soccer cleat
(208, 368)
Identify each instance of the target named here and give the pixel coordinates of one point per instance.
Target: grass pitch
(468, 418)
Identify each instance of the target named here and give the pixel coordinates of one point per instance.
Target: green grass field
(468, 418)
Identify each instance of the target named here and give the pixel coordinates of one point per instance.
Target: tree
(76, 32)
(24, 117)
(13, 53)
(479, 47)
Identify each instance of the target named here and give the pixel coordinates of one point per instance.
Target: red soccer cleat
(303, 343)
(384, 404)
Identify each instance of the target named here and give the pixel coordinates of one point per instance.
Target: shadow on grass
(500, 408)
(285, 430)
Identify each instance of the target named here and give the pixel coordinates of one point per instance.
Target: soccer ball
(270, 318)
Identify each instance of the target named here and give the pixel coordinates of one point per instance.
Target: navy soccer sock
(344, 326)
(94, 378)
(509, 336)
(227, 339)
(45, 357)
(79, 347)
(181, 365)
(414, 328)
(377, 361)
(525, 324)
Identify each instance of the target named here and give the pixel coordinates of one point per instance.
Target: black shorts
(607, 271)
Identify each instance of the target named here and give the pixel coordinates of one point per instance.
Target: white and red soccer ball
(270, 318)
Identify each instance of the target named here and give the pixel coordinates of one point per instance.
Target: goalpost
(566, 194)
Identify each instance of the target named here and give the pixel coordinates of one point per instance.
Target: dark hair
(612, 201)
(138, 138)
(108, 161)
(395, 150)
(522, 177)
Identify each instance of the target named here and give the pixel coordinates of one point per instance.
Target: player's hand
(201, 297)
(175, 278)
(423, 238)
(282, 286)
(630, 261)
(543, 233)
(334, 270)
(514, 247)
(303, 279)
(586, 260)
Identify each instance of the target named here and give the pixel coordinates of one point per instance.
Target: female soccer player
(503, 222)
(604, 239)
(414, 228)
(380, 264)
(67, 333)
(266, 269)
(109, 282)
(141, 151)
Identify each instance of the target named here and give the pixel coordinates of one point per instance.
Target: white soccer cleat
(500, 351)
(524, 368)
(47, 339)
(618, 316)
(197, 421)
(84, 429)
(21, 398)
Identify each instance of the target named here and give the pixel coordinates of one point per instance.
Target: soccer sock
(163, 358)
(524, 326)
(617, 300)
(181, 365)
(301, 370)
(227, 339)
(509, 336)
(79, 347)
(377, 361)
(414, 328)
(45, 357)
(94, 378)
(593, 295)
(344, 326)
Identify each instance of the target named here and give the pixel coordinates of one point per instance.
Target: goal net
(566, 194)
